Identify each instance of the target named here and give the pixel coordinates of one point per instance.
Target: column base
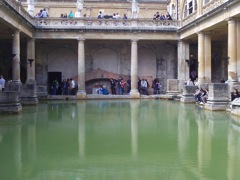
(81, 94)
(28, 95)
(134, 94)
(9, 102)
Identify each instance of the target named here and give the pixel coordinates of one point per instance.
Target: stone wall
(106, 59)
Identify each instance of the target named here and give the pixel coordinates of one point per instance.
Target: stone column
(16, 57)
(183, 67)
(81, 94)
(232, 52)
(30, 8)
(208, 58)
(134, 70)
(201, 73)
(199, 8)
(238, 50)
(31, 61)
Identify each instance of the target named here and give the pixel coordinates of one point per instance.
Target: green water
(138, 139)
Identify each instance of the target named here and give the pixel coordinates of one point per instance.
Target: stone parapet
(188, 94)
(9, 102)
(218, 97)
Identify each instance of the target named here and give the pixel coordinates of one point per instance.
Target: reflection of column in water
(183, 130)
(233, 151)
(204, 140)
(32, 139)
(81, 127)
(17, 151)
(134, 127)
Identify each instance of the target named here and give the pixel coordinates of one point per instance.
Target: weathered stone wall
(106, 59)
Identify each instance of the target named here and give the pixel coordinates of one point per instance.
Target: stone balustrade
(104, 24)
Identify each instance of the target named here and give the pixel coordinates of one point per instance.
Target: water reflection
(138, 139)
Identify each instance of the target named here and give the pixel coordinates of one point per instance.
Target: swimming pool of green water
(119, 139)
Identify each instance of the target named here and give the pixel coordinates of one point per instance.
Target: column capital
(80, 38)
(134, 40)
(231, 20)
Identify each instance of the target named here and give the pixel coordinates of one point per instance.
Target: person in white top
(77, 14)
(189, 82)
(2, 82)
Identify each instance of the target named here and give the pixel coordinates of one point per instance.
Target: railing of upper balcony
(93, 23)
(104, 24)
(17, 7)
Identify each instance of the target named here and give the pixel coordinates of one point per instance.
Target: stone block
(28, 95)
(235, 110)
(9, 102)
(188, 94)
(42, 91)
(173, 86)
(218, 97)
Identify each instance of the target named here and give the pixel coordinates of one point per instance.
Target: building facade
(203, 36)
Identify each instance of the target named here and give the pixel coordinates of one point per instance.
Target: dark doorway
(52, 76)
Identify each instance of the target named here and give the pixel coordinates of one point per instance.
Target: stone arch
(105, 59)
(63, 59)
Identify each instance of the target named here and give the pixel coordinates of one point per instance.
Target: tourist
(77, 14)
(123, 83)
(113, 86)
(144, 86)
(139, 85)
(204, 97)
(55, 85)
(44, 14)
(61, 16)
(70, 15)
(202, 94)
(197, 95)
(156, 85)
(129, 85)
(65, 15)
(168, 17)
(100, 15)
(64, 87)
(190, 82)
(156, 16)
(73, 86)
(234, 94)
(124, 19)
(2, 82)
(38, 14)
(102, 90)
(119, 85)
(193, 75)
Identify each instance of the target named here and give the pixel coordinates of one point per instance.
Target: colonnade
(205, 55)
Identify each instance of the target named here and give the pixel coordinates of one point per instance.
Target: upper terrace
(188, 15)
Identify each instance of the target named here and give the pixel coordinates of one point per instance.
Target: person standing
(129, 85)
(2, 82)
(113, 86)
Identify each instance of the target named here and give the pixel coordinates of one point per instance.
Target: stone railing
(212, 5)
(19, 8)
(104, 24)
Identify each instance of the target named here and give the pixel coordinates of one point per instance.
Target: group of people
(67, 87)
(158, 16)
(71, 15)
(42, 14)
(201, 95)
(122, 86)
(114, 16)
